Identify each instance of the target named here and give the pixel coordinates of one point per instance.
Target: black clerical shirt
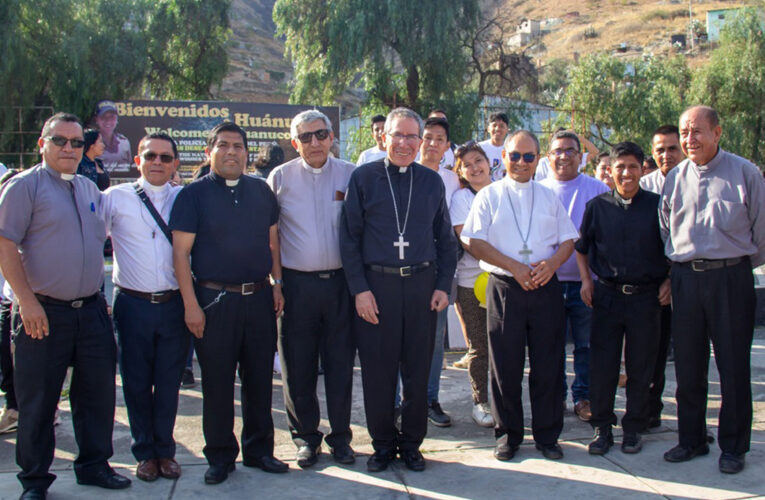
(368, 224)
(622, 240)
(231, 224)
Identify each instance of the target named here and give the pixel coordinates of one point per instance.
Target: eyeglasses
(307, 137)
(404, 137)
(515, 156)
(568, 152)
(61, 141)
(151, 156)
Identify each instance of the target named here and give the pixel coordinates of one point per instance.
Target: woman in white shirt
(472, 167)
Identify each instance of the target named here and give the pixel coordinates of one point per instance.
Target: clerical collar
(148, 186)
(232, 182)
(625, 201)
(223, 181)
(56, 173)
(315, 171)
(396, 168)
(515, 185)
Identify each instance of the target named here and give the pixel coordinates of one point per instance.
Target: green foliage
(408, 52)
(68, 54)
(616, 100)
(734, 83)
(361, 138)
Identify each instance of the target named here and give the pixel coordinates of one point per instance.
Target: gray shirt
(59, 232)
(310, 200)
(714, 211)
(653, 182)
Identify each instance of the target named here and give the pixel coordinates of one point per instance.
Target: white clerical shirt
(143, 256)
(491, 219)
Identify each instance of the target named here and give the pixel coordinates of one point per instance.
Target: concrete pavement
(460, 462)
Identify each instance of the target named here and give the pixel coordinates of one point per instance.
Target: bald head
(705, 113)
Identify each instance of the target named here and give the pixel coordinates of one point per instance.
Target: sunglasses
(306, 137)
(61, 141)
(151, 156)
(515, 156)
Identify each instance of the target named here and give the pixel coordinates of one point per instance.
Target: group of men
(362, 258)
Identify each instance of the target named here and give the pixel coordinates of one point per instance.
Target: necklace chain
(515, 218)
(395, 206)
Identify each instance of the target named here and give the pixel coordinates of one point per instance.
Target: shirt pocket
(730, 217)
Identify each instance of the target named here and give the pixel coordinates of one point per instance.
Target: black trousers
(718, 304)
(154, 343)
(636, 318)
(655, 403)
(81, 338)
(317, 320)
(517, 319)
(404, 337)
(239, 330)
(6, 360)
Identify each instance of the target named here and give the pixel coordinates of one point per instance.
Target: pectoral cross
(401, 244)
(525, 252)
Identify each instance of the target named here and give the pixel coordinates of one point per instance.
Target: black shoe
(631, 442)
(217, 473)
(437, 416)
(187, 381)
(380, 460)
(602, 442)
(267, 464)
(413, 459)
(33, 494)
(731, 463)
(343, 454)
(550, 451)
(107, 479)
(682, 454)
(307, 455)
(505, 452)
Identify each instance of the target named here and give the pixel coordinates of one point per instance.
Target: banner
(188, 123)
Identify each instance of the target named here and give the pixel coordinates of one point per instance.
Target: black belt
(325, 275)
(626, 289)
(401, 271)
(154, 298)
(244, 288)
(709, 264)
(74, 304)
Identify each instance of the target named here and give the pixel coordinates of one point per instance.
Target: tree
(616, 100)
(65, 55)
(407, 52)
(734, 83)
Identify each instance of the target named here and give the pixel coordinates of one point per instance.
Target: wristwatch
(275, 281)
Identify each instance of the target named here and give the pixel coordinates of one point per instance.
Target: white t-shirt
(653, 182)
(495, 159)
(371, 154)
(468, 268)
(491, 219)
(451, 183)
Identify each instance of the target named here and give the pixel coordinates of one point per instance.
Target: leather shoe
(631, 442)
(602, 442)
(343, 454)
(413, 459)
(731, 463)
(682, 453)
(583, 410)
(380, 460)
(33, 494)
(267, 464)
(217, 473)
(505, 452)
(307, 455)
(107, 479)
(550, 451)
(169, 468)
(147, 470)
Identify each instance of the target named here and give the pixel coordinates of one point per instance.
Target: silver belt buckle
(693, 265)
(248, 288)
(155, 297)
(405, 271)
(325, 276)
(76, 304)
(627, 289)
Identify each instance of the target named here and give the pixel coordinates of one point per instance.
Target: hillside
(259, 73)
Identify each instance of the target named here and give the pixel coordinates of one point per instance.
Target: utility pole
(690, 22)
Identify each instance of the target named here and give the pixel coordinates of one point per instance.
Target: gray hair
(308, 116)
(403, 113)
(527, 133)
